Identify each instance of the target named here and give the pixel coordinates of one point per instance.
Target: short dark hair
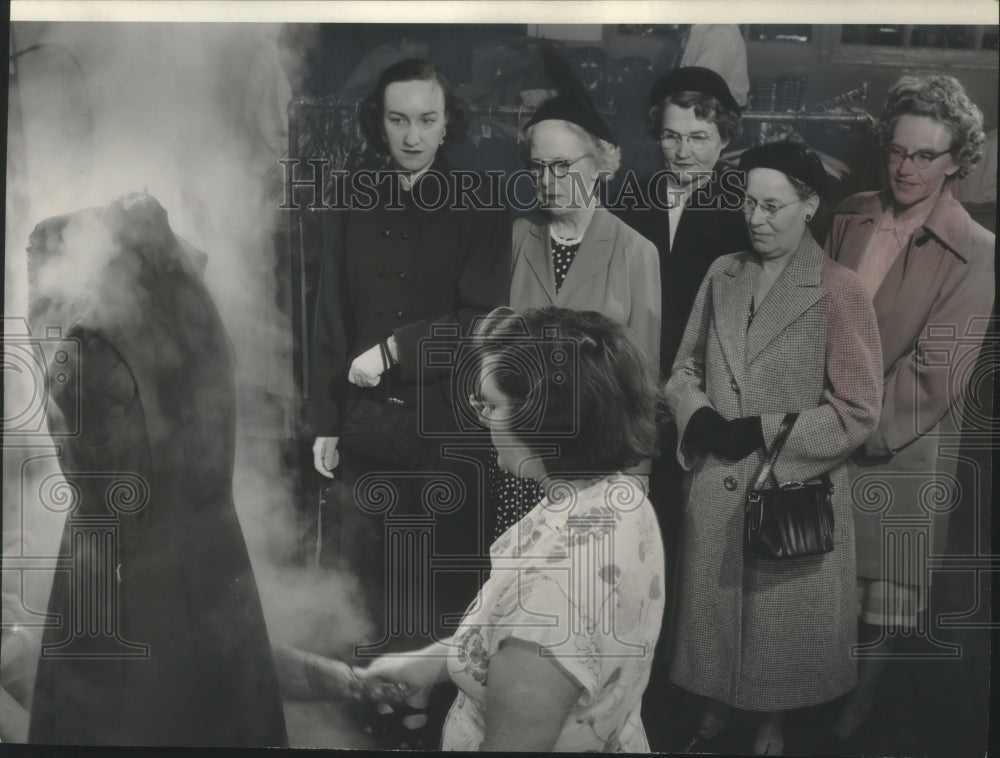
(943, 99)
(706, 108)
(598, 408)
(372, 108)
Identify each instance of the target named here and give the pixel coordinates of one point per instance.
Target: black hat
(572, 104)
(693, 79)
(791, 159)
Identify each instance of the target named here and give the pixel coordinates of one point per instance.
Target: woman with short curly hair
(930, 271)
(943, 99)
(554, 652)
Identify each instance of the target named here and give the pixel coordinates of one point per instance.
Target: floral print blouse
(581, 575)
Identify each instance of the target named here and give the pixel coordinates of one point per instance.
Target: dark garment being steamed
(149, 380)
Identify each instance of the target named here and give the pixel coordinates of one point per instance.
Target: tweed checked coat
(929, 304)
(768, 635)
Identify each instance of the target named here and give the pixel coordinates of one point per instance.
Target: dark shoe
(852, 717)
(769, 740)
(710, 726)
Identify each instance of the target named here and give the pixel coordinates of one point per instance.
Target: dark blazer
(711, 225)
(400, 271)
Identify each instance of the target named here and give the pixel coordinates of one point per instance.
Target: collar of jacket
(948, 221)
(592, 257)
(599, 229)
(795, 290)
(803, 269)
(713, 188)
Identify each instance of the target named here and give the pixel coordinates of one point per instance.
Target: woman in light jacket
(930, 270)
(777, 329)
(572, 252)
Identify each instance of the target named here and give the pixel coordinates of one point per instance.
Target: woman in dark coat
(158, 636)
(774, 330)
(930, 270)
(690, 209)
(413, 260)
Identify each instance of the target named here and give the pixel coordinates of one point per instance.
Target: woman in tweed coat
(777, 329)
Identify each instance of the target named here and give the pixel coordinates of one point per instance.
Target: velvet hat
(693, 79)
(791, 159)
(572, 103)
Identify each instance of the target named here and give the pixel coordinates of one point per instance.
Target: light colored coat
(616, 272)
(932, 309)
(771, 635)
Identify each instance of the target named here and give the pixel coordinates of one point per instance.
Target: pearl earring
(809, 217)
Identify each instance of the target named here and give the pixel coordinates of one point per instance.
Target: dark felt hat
(791, 159)
(693, 79)
(572, 104)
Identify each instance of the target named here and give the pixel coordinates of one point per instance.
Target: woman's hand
(412, 671)
(734, 440)
(325, 455)
(307, 676)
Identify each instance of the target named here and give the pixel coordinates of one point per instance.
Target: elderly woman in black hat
(779, 329)
(572, 252)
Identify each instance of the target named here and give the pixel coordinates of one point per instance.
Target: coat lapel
(539, 259)
(917, 264)
(868, 211)
(592, 257)
(796, 289)
(732, 288)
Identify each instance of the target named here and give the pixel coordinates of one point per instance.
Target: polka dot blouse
(563, 253)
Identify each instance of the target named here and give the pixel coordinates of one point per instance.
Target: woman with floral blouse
(555, 651)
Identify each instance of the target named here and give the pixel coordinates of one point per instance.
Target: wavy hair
(706, 108)
(943, 99)
(457, 113)
(586, 384)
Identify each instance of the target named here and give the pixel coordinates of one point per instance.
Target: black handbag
(792, 520)
(383, 430)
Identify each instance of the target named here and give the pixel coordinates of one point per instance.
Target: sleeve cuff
(407, 340)
(685, 455)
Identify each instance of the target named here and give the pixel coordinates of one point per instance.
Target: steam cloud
(100, 110)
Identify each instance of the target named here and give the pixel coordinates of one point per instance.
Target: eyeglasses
(697, 140)
(921, 158)
(558, 169)
(486, 408)
(750, 204)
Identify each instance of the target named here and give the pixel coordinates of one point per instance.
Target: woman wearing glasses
(572, 252)
(554, 652)
(777, 329)
(926, 264)
(690, 209)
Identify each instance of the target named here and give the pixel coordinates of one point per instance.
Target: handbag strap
(779, 442)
